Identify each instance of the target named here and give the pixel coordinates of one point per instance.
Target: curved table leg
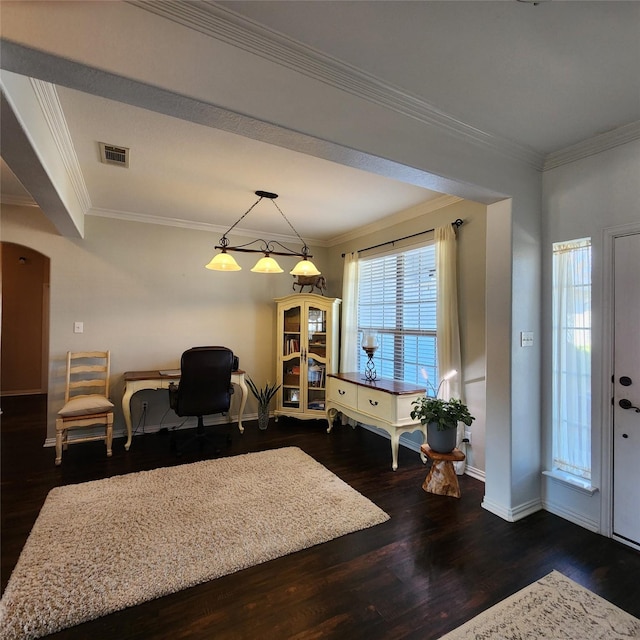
(243, 401)
(331, 416)
(395, 440)
(126, 410)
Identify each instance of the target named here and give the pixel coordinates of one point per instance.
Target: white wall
(142, 291)
(580, 200)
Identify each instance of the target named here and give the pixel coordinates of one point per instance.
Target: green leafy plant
(446, 413)
(263, 395)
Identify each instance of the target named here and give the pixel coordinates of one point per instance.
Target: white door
(626, 389)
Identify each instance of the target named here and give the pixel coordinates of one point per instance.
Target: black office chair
(204, 389)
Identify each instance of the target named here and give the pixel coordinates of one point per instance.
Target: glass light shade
(223, 262)
(369, 339)
(305, 268)
(267, 265)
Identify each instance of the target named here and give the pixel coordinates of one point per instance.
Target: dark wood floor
(435, 564)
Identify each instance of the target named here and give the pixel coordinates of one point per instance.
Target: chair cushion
(85, 405)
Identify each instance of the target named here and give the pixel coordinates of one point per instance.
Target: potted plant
(264, 396)
(441, 418)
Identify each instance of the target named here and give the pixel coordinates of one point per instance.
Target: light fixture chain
(305, 248)
(243, 216)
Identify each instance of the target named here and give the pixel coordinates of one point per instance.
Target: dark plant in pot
(264, 396)
(441, 418)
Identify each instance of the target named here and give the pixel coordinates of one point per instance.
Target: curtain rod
(456, 223)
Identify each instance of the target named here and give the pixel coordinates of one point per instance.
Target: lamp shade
(305, 268)
(267, 265)
(223, 262)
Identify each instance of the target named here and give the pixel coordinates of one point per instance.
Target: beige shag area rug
(102, 546)
(554, 607)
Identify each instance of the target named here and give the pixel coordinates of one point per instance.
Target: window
(397, 298)
(571, 396)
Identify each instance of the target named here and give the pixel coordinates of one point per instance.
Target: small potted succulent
(441, 418)
(264, 397)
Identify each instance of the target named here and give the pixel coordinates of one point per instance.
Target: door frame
(606, 473)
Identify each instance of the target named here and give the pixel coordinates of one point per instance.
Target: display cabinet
(307, 337)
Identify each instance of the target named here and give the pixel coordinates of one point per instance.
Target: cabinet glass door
(316, 358)
(291, 388)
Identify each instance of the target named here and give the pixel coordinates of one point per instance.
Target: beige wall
(142, 291)
(471, 277)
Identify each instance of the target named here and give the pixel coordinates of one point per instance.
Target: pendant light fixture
(224, 262)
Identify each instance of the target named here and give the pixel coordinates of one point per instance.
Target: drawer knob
(373, 403)
(341, 392)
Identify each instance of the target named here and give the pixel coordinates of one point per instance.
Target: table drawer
(375, 403)
(343, 392)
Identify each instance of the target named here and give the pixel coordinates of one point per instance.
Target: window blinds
(397, 298)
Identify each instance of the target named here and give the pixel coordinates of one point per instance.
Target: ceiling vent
(111, 154)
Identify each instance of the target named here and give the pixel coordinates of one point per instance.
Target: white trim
(592, 146)
(606, 473)
(513, 514)
(476, 473)
(566, 479)
(19, 201)
(230, 27)
(402, 216)
(47, 96)
(131, 216)
(571, 516)
(187, 423)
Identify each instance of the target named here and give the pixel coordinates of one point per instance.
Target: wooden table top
(395, 387)
(455, 456)
(156, 375)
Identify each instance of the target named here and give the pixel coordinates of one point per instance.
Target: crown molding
(47, 97)
(594, 145)
(18, 201)
(402, 216)
(199, 226)
(225, 25)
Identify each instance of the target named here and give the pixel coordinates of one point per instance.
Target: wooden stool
(442, 479)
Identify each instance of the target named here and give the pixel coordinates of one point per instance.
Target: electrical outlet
(467, 435)
(145, 405)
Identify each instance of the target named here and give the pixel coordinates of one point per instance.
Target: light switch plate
(78, 327)
(526, 338)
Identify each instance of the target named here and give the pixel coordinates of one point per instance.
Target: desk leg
(126, 410)
(243, 401)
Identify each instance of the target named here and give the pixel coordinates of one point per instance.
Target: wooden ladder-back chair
(86, 400)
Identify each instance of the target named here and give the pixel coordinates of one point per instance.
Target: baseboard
(571, 516)
(189, 423)
(478, 474)
(513, 514)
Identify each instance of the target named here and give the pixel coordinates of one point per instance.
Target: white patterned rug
(554, 607)
(101, 546)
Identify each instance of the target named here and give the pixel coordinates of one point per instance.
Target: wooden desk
(135, 381)
(383, 403)
(442, 479)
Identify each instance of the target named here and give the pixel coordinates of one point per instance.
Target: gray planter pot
(441, 441)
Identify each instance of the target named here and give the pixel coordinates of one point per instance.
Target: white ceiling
(538, 79)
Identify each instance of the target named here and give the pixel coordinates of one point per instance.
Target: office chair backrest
(205, 381)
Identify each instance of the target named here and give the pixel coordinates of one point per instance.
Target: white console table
(135, 381)
(382, 403)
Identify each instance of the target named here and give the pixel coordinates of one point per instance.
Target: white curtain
(447, 325)
(349, 330)
(571, 412)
